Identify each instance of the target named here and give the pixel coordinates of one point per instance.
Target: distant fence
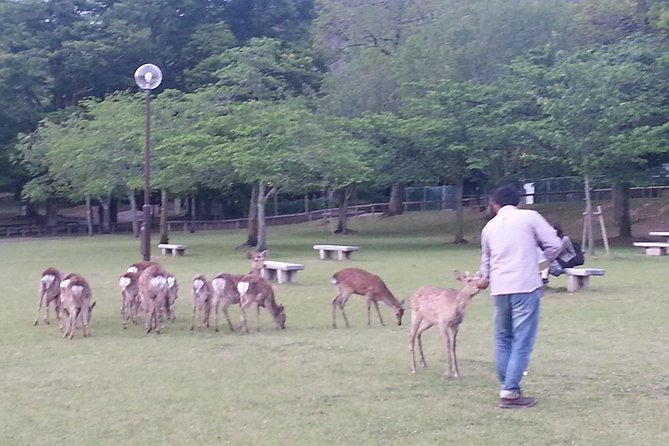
(68, 229)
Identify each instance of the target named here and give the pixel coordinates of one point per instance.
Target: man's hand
(482, 283)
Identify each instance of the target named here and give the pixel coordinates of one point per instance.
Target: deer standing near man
(445, 308)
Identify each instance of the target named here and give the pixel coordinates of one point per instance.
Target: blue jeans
(516, 318)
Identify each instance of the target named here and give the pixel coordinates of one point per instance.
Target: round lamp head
(148, 76)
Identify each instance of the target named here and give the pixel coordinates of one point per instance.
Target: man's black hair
(506, 195)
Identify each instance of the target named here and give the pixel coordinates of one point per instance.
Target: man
(511, 245)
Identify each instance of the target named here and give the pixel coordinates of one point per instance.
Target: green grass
(600, 367)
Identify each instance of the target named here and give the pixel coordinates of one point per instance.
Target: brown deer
(358, 281)
(139, 267)
(225, 288)
(253, 289)
(172, 295)
(202, 296)
(75, 294)
(444, 307)
(153, 292)
(129, 283)
(49, 292)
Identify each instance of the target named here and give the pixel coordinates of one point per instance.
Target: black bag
(579, 259)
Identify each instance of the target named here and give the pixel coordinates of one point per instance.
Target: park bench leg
(164, 251)
(265, 273)
(323, 254)
(282, 276)
(341, 255)
(573, 284)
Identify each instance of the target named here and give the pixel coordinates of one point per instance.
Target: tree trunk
(51, 212)
(133, 213)
(261, 244)
(396, 201)
(459, 214)
(252, 220)
(192, 213)
(106, 215)
(164, 236)
(621, 209)
(588, 233)
(342, 218)
(89, 215)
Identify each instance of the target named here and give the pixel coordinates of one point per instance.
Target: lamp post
(147, 77)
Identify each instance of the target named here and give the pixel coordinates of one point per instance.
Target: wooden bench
(281, 271)
(174, 250)
(578, 278)
(343, 252)
(653, 248)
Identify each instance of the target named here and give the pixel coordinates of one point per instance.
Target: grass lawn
(600, 369)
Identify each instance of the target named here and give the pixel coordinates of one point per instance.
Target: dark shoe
(521, 402)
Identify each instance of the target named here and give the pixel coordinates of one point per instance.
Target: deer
(202, 297)
(253, 289)
(153, 292)
(49, 292)
(225, 288)
(129, 283)
(141, 266)
(172, 295)
(76, 303)
(444, 307)
(350, 281)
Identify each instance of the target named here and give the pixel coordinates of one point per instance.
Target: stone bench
(343, 252)
(281, 271)
(653, 248)
(171, 249)
(578, 278)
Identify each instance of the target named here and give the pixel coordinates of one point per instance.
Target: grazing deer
(75, 294)
(253, 289)
(49, 291)
(202, 296)
(129, 283)
(153, 292)
(225, 288)
(444, 307)
(358, 281)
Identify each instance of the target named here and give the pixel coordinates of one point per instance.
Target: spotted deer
(75, 294)
(202, 297)
(253, 289)
(153, 292)
(48, 293)
(445, 308)
(225, 288)
(350, 281)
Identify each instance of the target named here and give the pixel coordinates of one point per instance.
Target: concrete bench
(343, 252)
(653, 248)
(170, 249)
(281, 271)
(578, 278)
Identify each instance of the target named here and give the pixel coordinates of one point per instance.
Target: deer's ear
(265, 253)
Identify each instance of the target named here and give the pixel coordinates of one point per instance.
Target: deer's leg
(343, 298)
(244, 305)
(335, 304)
(453, 333)
(376, 305)
(415, 324)
(258, 316)
(39, 308)
(424, 326)
(446, 343)
(192, 319)
(227, 316)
